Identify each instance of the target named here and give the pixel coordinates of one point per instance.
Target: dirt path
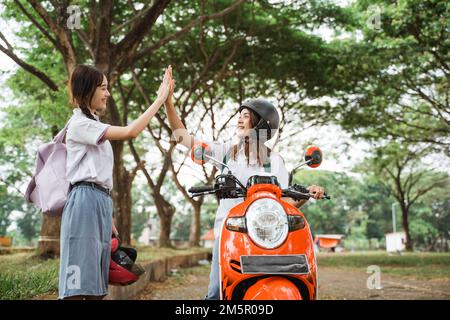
(337, 283)
(186, 284)
(334, 284)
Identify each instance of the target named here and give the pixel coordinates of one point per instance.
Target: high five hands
(164, 88)
(165, 91)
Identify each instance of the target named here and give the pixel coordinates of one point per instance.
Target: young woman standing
(87, 225)
(247, 156)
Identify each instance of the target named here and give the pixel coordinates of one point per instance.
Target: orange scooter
(266, 248)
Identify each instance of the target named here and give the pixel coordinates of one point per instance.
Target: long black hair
(262, 152)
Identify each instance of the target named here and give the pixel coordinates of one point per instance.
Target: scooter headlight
(267, 223)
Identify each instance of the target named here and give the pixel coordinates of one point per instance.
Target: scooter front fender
(273, 288)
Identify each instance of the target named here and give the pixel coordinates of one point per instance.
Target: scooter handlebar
(196, 191)
(295, 194)
(300, 195)
(201, 189)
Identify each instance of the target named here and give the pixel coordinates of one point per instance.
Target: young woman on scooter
(246, 157)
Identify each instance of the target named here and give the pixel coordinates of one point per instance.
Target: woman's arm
(132, 130)
(295, 203)
(179, 131)
(315, 191)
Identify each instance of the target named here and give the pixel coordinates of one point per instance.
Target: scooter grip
(201, 189)
(296, 195)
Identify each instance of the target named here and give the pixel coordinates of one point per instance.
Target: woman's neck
(92, 111)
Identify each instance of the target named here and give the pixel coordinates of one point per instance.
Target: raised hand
(172, 87)
(164, 88)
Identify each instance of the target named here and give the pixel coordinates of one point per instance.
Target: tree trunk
(121, 194)
(48, 247)
(194, 234)
(432, 247)
(165, 213)
(405, 223)
(164, 236)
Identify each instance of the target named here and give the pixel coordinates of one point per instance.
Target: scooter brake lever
(202, 194)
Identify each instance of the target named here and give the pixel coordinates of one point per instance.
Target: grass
(25, 276)
(413, 265)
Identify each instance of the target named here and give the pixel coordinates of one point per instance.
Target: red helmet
(122, 269)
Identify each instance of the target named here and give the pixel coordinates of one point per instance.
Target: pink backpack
(49, 187)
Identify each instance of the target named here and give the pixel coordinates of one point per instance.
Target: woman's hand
(179, 132)
(169, 101)
(164, 88)
(316, 191)
(114, 230)
(132, 130)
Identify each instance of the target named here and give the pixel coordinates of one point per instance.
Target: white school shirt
(89, 156)
(241, 170)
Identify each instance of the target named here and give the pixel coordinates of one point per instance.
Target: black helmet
(266, 110)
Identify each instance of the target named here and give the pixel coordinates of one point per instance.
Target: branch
(36, 23)
(136, 16)
(138, 160)
(142, 53)
(196, 83)
(166, 163)
(8, 50)
(179, 186)
(217, 77)
(12, 186)
(65, 45)
(423, 191)
(133, 38)
(416, 33)
(139, 166)
(84, 38)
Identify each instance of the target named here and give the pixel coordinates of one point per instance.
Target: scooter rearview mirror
(201, 152)
(313, 156)
(198, 153)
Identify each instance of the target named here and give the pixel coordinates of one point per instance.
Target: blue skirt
(85, 240)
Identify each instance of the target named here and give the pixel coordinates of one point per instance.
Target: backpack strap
(60, 136)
